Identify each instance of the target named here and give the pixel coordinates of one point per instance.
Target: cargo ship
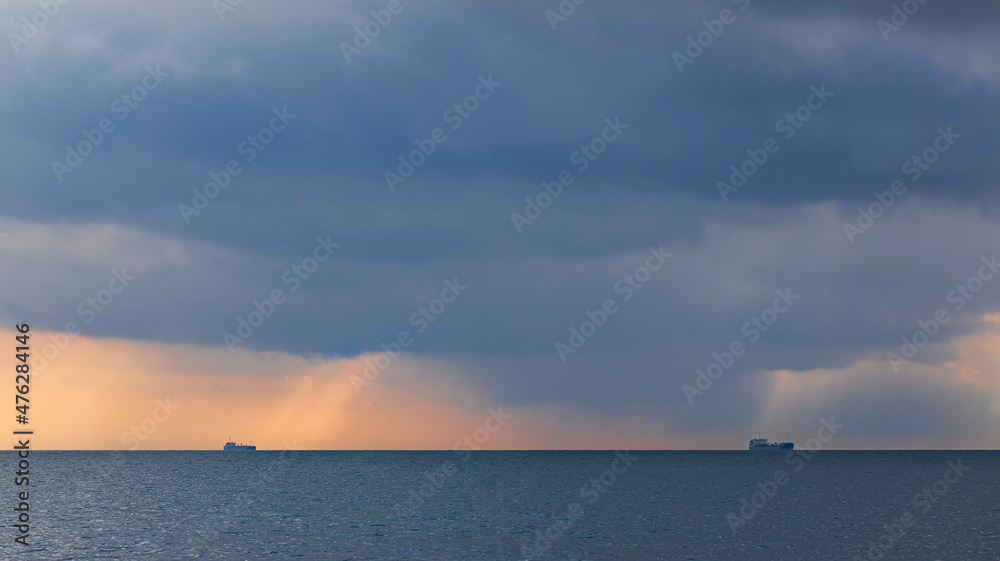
(763, 444)
(233, 447)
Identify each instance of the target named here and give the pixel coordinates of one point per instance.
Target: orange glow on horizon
(117, 394)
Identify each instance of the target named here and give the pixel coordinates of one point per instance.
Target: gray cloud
(656, 185)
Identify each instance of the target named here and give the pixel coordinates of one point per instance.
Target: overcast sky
(878, 198)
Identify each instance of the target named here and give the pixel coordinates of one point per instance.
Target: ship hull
(782, 446)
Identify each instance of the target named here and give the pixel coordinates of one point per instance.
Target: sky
(516, 225)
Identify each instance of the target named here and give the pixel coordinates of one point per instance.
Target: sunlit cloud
(950, 404)
(120, 394)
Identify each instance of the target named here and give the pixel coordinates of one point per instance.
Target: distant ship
(763, 444)
(233, 447)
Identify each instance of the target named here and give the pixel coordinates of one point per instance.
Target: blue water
(497, 505)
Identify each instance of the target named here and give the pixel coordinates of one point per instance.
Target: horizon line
(527, 450)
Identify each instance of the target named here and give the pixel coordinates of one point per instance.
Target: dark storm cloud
(944, 16)
(687, 129)
(324, 175)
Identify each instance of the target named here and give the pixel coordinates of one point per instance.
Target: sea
(500, 505)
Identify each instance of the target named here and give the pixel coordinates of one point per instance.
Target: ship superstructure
(763, 444)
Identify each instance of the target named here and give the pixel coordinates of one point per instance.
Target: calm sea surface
(508, 505)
